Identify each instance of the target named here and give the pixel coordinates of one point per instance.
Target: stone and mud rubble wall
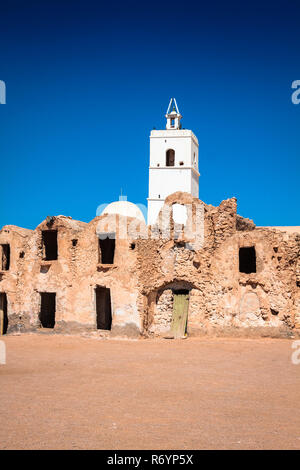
(150, 264)
(221, 298)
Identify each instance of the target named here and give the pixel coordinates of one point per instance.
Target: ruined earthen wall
(150, 266)
(221, 297)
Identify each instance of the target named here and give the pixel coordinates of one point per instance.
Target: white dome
(126, 208)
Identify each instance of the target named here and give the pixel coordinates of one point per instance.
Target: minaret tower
(173, 162)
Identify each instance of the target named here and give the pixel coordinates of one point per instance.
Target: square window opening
(49, 239)
(103, 308)
(247, 260)
(107, 245)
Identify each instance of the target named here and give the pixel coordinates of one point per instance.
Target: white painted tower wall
(165, 180)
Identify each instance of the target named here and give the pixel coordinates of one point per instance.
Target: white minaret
(173, 162)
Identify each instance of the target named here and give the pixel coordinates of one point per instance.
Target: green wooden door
(180, 314)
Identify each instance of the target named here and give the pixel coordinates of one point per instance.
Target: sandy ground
(68, 392)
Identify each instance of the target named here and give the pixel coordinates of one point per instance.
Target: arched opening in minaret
(170, 157)
(107, 244)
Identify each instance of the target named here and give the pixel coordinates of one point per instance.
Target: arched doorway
(168, 309)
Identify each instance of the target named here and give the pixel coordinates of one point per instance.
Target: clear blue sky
(87, 81)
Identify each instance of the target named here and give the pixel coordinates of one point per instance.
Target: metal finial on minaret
(173, 115)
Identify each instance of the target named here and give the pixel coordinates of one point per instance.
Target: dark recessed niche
(5, 257)
(107, 246)
(48, 307)
(247, 260)
(103, 308)
(44, 269)
(274, 312)
(49, 238)
(170, 157)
